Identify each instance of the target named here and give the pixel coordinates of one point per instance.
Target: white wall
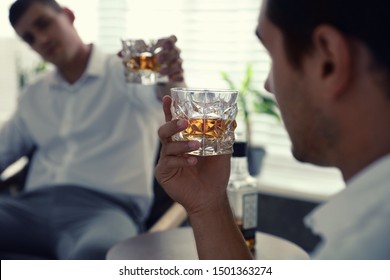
(6, 30)
(8, 81)
(14, 53)
(14, 56)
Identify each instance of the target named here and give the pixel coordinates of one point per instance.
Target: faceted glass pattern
(211, 118)
(140, 61)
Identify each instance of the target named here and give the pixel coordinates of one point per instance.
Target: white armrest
(172, 218)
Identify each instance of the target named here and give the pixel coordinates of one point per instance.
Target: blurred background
(214, 36)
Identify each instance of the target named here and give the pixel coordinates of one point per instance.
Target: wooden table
(179, 244)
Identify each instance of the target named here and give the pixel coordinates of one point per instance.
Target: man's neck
(75, 68)
(366, 138)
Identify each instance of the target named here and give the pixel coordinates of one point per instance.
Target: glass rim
(198, 90)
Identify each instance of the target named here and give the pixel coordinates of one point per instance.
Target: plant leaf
(226, 78)
(247, 81)
(261, 103)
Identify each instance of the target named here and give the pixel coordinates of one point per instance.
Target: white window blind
(112, 24)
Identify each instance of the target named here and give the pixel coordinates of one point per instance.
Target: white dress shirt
(355, 224)
(99, 132)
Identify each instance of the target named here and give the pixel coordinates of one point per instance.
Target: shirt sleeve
(15, 140)
(143, 97)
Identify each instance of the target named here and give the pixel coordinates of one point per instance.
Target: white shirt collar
(96, 63)
(95, 67)
(349, 206)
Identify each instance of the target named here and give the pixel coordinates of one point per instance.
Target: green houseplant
(26, 74)
(252, 100)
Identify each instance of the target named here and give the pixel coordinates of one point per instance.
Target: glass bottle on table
(243, 194)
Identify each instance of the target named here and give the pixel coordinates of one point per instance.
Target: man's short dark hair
(19, 7)
(366, 21)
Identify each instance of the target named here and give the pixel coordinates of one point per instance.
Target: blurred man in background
(94, 138)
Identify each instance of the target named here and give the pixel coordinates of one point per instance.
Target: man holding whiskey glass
(330, 76)
(94, 139)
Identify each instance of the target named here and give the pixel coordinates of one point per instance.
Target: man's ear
(69, 14)
(334, 54)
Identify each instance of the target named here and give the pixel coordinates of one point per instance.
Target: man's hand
(170, 60)
(196, 182)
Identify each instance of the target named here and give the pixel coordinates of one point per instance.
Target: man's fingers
(167, 100)
(179, 148)
(178, 162)
(170, 128)
(167, 42)
(176, 78)
(172, 67)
